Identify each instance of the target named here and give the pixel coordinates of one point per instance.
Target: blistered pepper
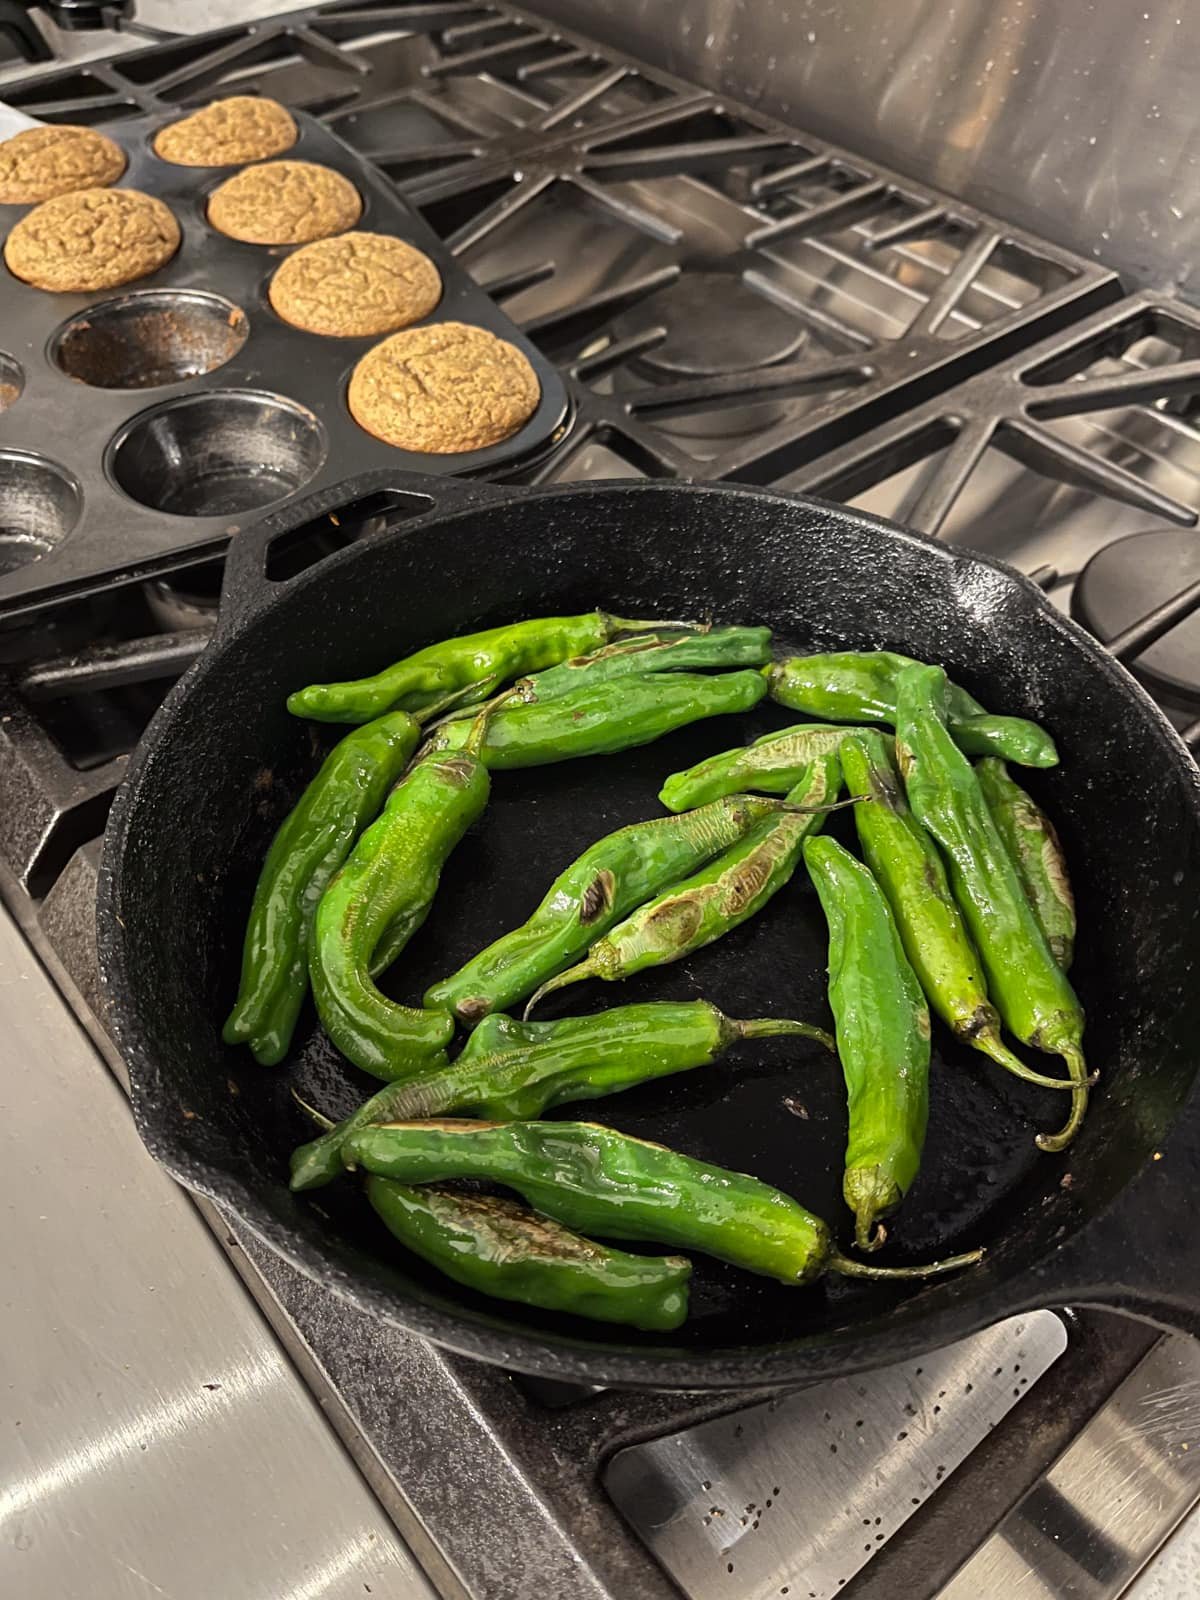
(1030, 991)
(497, 1247)
(882, 1039)
(861, 686)
(442, 669)
(771, 765)
(1033, 843)
(609, 717)
(389, 881)
(599, 1181)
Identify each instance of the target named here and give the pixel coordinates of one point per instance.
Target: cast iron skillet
(223, 761)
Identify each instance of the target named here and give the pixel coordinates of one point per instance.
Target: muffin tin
(150, 423)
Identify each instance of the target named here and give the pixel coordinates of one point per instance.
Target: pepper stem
(572, 975)
(319, 1117)
(990, 1043)
(471, 695)
(1076, 1066)
(859, 1269)
(776, 1027)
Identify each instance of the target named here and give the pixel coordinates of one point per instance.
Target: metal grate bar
(772, 182)
(1037, 447)
(786, 377)
(935, 502)
(539, 69)
(582, 315)
(497, 214)
(1143, 386)
(624, 208)
(956, 282)
(582, 98)
(909, 228)
(1147, 630)
(842, 209)
(513, 283)
(700, 155)
(600, 362)
(468, 60)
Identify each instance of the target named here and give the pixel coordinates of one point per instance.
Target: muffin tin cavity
(143, 340)
(40, 504)
(12, 380)
(218, 454)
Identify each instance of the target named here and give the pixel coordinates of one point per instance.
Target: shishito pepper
(512, 1069)
(599, 1181)
(605, 883)
(906, 865)
(442, 669)
(609, 717)
(1033, 843)
(718, 898)
(771, 765)
(389, 882)
(679, 650)
(882, 1038)
(493, 1245)
(861, 686)
(1030, 991)
(314, 840)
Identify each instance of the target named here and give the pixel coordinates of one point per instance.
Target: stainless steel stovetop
(727, 298)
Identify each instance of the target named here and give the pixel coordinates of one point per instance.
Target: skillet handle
(317, 530)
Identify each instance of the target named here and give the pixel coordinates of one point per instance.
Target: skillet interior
(225, 762)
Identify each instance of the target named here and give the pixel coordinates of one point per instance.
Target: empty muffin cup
(40, 503)
(140, 341)
(12, 380)
(217, 454)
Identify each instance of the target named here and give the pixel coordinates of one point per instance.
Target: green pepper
(495, 1246)
(681, 650)
(771, 765)
(719, 897)
(906, 865)
(441, 669)
(388, 882)
(313, 841)
(599, 1181)
(611, 716)
(1030, 991)
(510, 1069)
(882, 1038)
(1033, 843)
(861, 686)
(600, 887)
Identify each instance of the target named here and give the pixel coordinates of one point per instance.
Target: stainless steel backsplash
(1076, 118)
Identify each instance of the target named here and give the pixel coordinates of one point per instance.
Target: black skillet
(1111, 1222)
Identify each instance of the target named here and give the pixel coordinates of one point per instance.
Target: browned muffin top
(355, 284)
(39, 163)
(443, 389)
(284, 202)
(228, 132)
(92, 239)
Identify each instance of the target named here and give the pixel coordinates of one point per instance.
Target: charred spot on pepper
(598, 897)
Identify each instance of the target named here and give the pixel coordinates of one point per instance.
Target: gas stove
(727, 298)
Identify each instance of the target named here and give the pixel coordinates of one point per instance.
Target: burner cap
(1127, 580)
(715, 324)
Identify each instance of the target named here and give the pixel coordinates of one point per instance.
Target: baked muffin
(92, 239)
(39, 163)
(227, 133)
(284, 202)
(355, 284)
(443, 389)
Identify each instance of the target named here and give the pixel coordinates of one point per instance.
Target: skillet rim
(833, 1353)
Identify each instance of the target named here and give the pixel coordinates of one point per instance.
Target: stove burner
(1127, 580)
(715, 324)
